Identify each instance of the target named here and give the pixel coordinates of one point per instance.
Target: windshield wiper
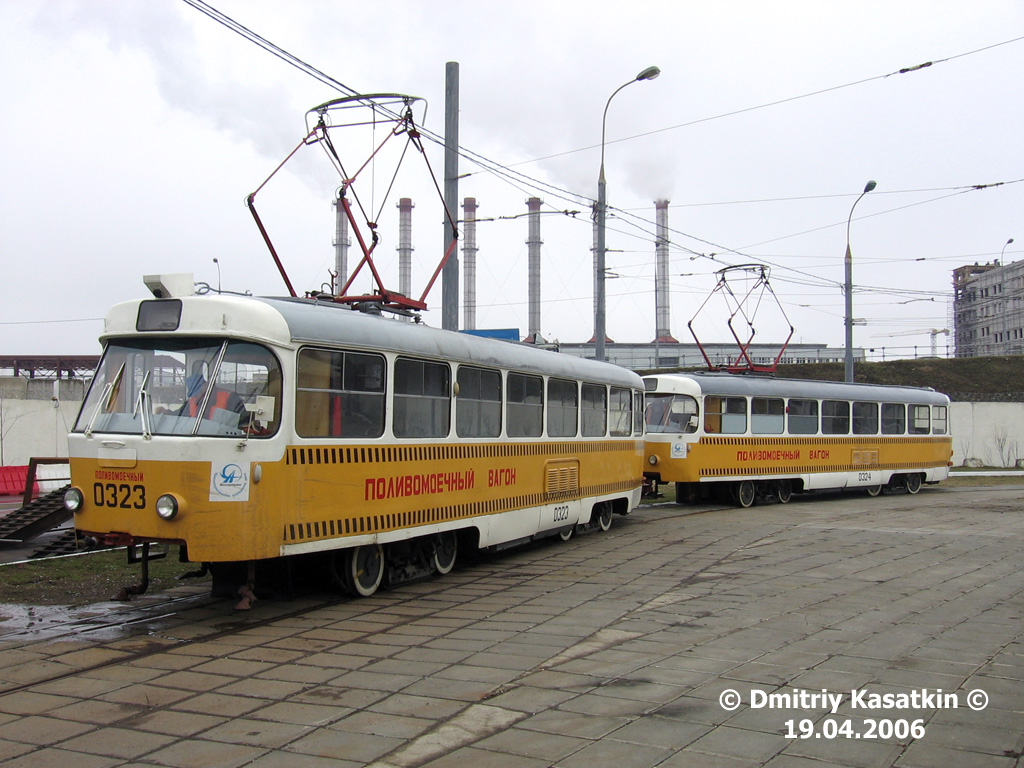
(106, 399)
(144, 403)
(213, 373)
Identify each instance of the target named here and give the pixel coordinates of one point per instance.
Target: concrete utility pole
(450, 274)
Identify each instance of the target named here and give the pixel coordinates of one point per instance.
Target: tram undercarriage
(358, 571)
(747, 493)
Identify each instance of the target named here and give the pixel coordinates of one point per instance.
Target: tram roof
(732, 384)
(309, 321)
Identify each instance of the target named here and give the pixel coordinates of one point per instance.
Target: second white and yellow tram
(246, 429)
(754, 436)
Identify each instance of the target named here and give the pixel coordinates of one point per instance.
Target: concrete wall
(20, 388)
(36, 416)
(35, 428)
(990, 432)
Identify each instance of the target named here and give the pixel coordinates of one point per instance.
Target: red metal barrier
(12, 481)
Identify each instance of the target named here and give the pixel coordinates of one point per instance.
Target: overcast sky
(134, 129)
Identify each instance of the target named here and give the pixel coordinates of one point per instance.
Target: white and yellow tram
(754, 436)
(245, 429)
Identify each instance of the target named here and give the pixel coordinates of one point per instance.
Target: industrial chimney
(405, 246)
(341, 244)
(533, 243)
(469, 250)
(663, 333)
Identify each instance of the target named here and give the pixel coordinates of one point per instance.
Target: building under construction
(988, 309)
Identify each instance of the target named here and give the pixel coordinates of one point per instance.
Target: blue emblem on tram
(229, 481)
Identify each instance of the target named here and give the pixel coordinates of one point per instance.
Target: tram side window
(725, 415)
(478, 406)
(767, 415)
(920, 419)
(803, 417)
(525, 406)
(835, 417)
(563, 407)
(865, 418)
(894, 418)
(422, 398)
(620, 412)
(339, 394)
(939, 420)
(595, 410)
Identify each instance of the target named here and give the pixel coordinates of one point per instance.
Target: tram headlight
(73, 500)
(167, 506)
(652, 460)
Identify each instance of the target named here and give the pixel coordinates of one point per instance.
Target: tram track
(125, 629)
(159, 642)
(40, 630)
(136, 633)
(140, 627)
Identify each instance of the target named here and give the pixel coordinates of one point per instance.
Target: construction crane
(933, 332)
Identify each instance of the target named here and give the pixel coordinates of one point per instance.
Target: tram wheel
(603, 518)
(567, 533)
(364, 569)
(746, 492)
(873, 490)
(784, 491)
(913, 483)
(446, 549)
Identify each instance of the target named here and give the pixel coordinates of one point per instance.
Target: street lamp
(599, 310)
(215, 261)
(1004, 250)
(849, 287)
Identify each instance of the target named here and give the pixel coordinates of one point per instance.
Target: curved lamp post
(1002, 252)
(599, 299)
(849, 287)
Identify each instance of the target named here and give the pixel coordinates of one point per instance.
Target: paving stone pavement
(659, 643)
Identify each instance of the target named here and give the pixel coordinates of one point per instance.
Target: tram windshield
(671, 414)
(184, 387)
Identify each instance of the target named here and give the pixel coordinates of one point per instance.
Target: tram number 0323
(121, 496)
(873, 729)
(561, 513)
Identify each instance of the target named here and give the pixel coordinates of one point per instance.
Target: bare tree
(965, 447)
(1008, 448)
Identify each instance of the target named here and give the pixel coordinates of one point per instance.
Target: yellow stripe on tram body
(359, 490)
(717, 457)
(326, 496)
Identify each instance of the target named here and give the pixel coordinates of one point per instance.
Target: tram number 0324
(122, 496)
(561, 513)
